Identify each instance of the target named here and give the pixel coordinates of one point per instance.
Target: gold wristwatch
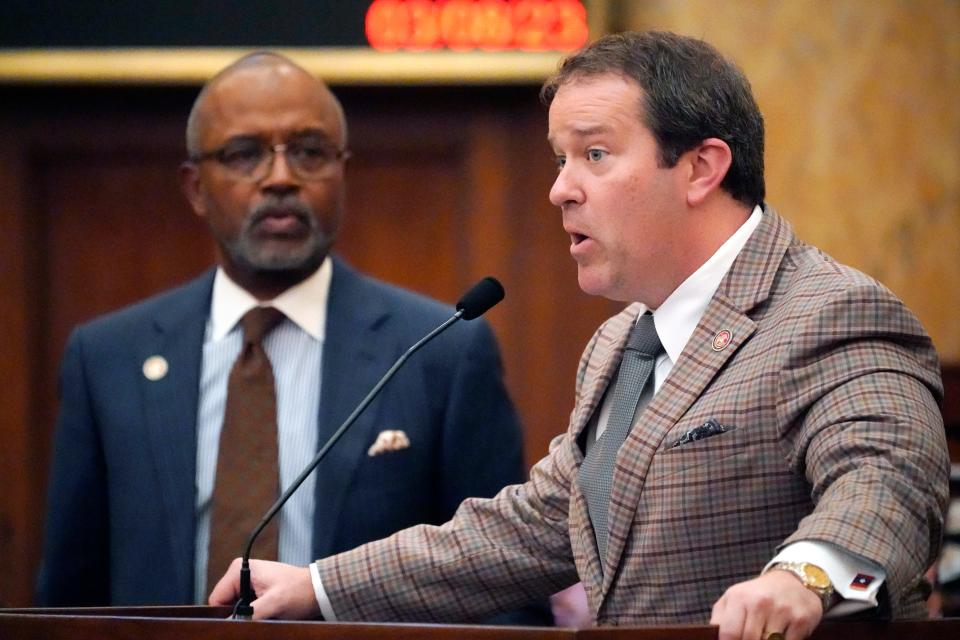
(812, 577)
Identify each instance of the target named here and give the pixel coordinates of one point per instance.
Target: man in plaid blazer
(790, 459)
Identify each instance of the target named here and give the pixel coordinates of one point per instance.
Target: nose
(566, 190)
(280, 177)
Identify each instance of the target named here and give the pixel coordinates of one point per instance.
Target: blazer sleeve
(862, 387)
(482, 447)
(494, 555)
(75, 562)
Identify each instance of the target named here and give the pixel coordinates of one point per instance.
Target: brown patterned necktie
(247, 481)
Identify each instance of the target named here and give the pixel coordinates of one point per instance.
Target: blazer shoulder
(829, 303)
(395, 308)
(811, 283)
(405, 300)
(814, 269)
(188, 298)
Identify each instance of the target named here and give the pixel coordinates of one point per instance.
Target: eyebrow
(583, 132)
(586, 131)
(313, 131)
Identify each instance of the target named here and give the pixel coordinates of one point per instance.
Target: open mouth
(577, 238)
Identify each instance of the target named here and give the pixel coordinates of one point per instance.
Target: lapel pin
(387, 441)
(155, 368)
(721, 340)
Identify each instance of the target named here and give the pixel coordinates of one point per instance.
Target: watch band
(812, 577)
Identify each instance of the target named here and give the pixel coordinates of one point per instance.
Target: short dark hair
(690, 93)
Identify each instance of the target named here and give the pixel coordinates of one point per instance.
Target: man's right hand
(283, 591)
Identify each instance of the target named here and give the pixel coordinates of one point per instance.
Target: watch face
(816, 576)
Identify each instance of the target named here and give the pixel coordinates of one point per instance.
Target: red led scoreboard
(490, 25)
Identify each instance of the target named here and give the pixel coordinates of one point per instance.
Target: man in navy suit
(144, 388)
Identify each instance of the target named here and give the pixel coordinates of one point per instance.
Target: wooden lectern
(209, 623)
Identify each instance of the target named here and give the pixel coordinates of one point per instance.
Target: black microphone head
(480, 298)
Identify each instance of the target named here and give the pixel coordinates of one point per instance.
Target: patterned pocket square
(388, 441)
(708, 429)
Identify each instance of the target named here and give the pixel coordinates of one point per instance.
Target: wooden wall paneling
(21, 458)
(403, 200)
(489, 239)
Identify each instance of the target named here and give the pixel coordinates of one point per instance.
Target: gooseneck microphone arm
(473, 304)
(246, 590)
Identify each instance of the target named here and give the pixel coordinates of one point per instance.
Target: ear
(709, 163)
(191, 187)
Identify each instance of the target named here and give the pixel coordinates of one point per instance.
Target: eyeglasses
(251, 160)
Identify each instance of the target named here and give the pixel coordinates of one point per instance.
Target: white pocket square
(389, 440)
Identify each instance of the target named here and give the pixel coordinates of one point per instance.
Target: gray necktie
(596, 472)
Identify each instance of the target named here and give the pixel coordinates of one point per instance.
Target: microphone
(481, 296)
(474, 303)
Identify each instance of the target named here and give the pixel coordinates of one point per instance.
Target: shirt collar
(679, 314)
(305, 303)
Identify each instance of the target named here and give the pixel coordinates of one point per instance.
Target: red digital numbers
(461, 25)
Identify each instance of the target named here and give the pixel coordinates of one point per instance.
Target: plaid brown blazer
(829, 388)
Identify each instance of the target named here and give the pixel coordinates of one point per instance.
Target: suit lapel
(170, 415)
(745, 285)
(355, 356)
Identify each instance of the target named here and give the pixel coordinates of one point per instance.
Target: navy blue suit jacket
(121, 505)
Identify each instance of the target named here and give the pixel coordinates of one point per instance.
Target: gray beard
(248, 254)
